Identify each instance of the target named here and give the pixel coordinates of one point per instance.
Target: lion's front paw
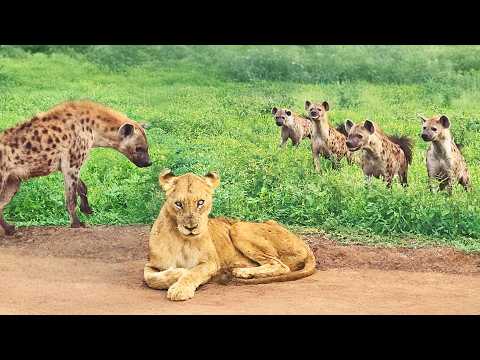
(242, 273)
(178, 292)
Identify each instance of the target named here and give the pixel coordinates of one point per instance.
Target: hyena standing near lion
(445, 162)
(326, 140)
(383, 156)
(60, 139)
(294, 127)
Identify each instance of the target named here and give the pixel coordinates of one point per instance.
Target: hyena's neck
(444, 144)
(106, 138)
(105, 131)
(375, 146)
(321, 127)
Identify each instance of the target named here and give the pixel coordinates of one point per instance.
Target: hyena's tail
(308, 269)
(405, 144)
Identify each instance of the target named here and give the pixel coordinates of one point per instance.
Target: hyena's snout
(141, 159)
(426, 136)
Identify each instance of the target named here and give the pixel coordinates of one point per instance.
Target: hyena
(60, 139)
(444, 159)
(326, 140)
(384, 156)
(294, 127)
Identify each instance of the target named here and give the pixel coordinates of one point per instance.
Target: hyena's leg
(430, 185)
(70, 177)
(465, 182)
(446, 184)
(82, 192)
(335, 161)
(161, 279)
(403, 178)
(316, 159)
(284, 137)
(8, 190)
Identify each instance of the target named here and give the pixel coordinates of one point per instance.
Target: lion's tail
(308, 269)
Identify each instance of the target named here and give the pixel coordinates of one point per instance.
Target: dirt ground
(99, 270)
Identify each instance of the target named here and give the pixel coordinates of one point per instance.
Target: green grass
(209, 109)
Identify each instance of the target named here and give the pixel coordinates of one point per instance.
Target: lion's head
(189, 200)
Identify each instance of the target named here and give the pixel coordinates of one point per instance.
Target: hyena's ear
(288, 112)
(166, 179)
(348, 125)
(274, 110)
(423, 118)
(212, 179)
(125, 130)
(369, 126)
(307, 104)
(444, 121)
(326, 106)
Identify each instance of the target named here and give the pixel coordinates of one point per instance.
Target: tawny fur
(60, 139)
(382, 156)
(326, 139)
(445, 163)
(188, 249)
(293, 126)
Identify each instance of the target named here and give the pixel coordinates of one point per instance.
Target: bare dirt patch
(99, 270)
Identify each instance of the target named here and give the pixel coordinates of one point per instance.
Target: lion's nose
(191, 227)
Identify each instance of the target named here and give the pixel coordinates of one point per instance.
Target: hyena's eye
(424, 128)
(139, 149)
(200, 203)
(178, 204)
(360, 136)
(434, 129)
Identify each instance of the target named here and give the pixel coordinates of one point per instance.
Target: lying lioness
(187, 248)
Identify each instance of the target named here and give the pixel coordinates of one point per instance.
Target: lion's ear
(166, 179)
(213, 179)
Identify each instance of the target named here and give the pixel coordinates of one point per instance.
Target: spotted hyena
(384, 156)
(326, 140)
(61, 139)
(444, 159)
(294, 127)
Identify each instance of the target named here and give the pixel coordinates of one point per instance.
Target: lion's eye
(178, 204)
(200, 202)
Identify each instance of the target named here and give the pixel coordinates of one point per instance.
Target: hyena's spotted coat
(61, 139)
(326, 140)
(383, 156)
(294, 127)
(445, 162)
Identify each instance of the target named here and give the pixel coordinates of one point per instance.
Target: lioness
(187, 248)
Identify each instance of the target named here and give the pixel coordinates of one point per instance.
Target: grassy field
(209, 109)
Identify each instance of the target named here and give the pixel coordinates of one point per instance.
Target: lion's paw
(180, 292)
(242, 273)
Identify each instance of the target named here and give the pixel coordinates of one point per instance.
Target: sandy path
(99, 271)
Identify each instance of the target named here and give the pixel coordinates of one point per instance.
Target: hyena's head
(358, 134)
(316, 111)
(282, 116)
(189, 200)
(433, 129)
(133, 143)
